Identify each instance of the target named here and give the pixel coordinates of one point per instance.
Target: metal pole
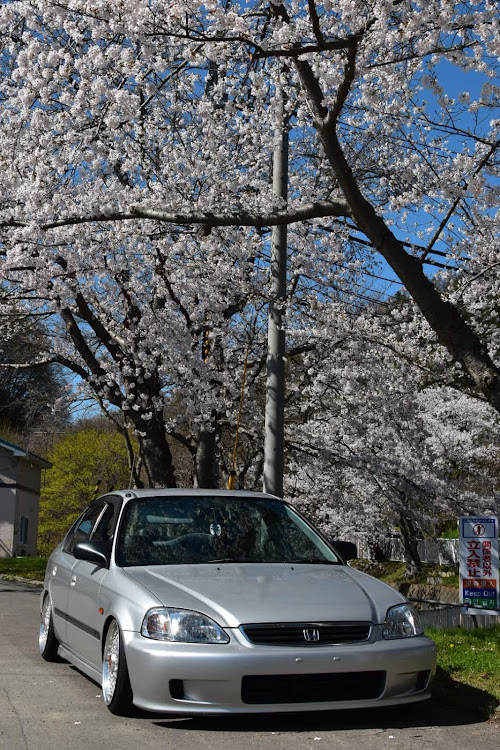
(275, 383)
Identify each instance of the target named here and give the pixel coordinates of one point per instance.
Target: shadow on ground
(463, 697)
(452, 704)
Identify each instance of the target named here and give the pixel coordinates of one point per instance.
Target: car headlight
(181, 626)
(401, 621)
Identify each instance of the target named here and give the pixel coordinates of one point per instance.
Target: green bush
(80, 459)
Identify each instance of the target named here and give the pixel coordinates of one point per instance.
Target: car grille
(306, 633)
(312, 688)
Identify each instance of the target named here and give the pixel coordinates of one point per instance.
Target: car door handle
(73, 581)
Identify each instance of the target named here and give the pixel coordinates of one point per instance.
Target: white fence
(436, 551)
(453, 617)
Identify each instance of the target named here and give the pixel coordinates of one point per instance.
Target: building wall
(19, 499)
(29, 476)
(8, 470)
(27, 506)
(28, 497)
(7, 517)
(8, 467)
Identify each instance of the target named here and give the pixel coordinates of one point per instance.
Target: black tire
(116, 689)
(47, 641)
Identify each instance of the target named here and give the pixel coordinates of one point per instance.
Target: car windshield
(197, 529)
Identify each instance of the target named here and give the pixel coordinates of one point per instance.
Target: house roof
(25, 455)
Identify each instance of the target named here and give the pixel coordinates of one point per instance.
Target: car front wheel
(116, 689)
(47, 641)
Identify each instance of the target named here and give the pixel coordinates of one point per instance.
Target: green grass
(468, 673)
(25, 567)
(394, 572)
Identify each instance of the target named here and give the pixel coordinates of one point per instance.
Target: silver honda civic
(210, 601)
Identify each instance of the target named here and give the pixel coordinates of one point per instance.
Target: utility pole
(275, 383)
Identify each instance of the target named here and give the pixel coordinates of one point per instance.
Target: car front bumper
(240, 677)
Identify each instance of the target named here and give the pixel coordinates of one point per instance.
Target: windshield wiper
(301, 561)
(311, 561)
(232, 560)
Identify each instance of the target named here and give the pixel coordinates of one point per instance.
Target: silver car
(209, 601)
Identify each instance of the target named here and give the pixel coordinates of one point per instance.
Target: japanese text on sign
(479, 561)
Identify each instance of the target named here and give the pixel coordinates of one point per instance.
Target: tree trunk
(376, 550)
(410, 548)
(155, 453)
(206, 462)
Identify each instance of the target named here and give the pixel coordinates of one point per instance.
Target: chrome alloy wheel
(110, 663)
(44, 625)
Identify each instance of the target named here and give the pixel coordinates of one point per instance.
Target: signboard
(479, 585)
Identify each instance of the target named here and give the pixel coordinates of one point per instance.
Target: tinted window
(83, 528)
(197, 529)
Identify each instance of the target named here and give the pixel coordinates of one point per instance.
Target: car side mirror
(96, 552)
(346, 550)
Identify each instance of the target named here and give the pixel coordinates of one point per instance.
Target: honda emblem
(311, 635)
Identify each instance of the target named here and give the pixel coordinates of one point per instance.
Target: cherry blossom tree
(29, 397)
(136, 147)
(384, 441)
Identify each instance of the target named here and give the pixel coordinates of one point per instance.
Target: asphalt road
(54, 707)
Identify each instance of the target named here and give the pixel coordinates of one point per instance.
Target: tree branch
(345, 86)
(294, 52)
(313, 13)
(56, 360)
(27, 365)
(456, 202)
(314, 210)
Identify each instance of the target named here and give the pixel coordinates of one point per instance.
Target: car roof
(191, 492)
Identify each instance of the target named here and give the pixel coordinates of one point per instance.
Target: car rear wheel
(47, 641)
(116, 689)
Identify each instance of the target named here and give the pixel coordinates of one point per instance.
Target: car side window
(84, 527)
(103, 532)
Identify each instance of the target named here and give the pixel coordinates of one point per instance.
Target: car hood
(238, 593)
